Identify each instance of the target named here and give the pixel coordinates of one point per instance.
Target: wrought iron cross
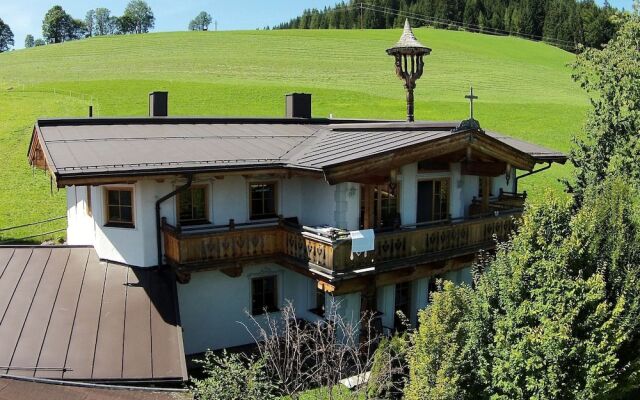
(471, 98)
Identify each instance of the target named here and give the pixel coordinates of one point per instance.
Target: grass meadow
(525, 90)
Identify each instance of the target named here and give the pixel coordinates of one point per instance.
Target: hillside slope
(525, 88)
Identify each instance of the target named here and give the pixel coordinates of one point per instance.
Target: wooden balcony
(224, 246)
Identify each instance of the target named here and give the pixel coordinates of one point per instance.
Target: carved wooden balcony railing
(195, 249)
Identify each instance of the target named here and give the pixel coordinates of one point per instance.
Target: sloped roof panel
(66, 315)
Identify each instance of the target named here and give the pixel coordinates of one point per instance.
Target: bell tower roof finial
(408, 44)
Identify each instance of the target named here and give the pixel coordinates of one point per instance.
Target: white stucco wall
(313, 201)
(318, 203)
(80, 228)
(213, 306)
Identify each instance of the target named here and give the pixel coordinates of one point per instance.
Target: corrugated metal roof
(64, 314)
(77, 148)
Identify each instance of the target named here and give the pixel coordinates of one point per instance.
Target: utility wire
(456, 24)
(360, 7)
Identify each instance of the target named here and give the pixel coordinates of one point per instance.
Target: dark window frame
(118, 222)
(389, 202)
(264, 300)
(438, 213)
(194, 221)
(401, 288)
(253, 214)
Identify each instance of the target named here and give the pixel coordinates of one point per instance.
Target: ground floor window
(264, 295)
(403, 305)
(320, 301)
(119, 205)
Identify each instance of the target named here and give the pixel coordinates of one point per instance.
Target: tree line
(58, 26)
(565, 23)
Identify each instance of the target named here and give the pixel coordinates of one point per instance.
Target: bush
(389, 369)
(233, 377)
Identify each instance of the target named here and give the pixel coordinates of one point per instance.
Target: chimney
(158, 104)
(298, 105)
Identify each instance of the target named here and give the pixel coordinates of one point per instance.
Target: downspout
(529, 174)
(158, 224)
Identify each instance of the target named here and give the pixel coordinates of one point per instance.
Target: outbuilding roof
(98, 147)
(66, 315)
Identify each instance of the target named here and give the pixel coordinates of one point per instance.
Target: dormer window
(119, 207)
(263, 200)
(193, 206)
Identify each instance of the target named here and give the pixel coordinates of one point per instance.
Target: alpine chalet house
(249, 213)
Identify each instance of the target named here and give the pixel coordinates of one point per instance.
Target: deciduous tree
(6, 36)
(201, 22)
(89, 21)
(103, 22)
(611, 144)
(139, 16)
(56, 24)
(29, 41)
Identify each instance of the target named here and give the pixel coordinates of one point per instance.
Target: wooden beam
(232, 272)
(121, 179)
(382, 164)
(476, 142)
(486, 192)
(401, 275)
(480, 168)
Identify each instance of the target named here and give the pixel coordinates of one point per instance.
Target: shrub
(232, 377)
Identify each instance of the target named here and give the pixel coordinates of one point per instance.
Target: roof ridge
(299, 148)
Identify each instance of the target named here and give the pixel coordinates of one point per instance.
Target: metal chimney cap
(408, 44)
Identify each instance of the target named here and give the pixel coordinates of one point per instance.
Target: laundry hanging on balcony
(362, 241)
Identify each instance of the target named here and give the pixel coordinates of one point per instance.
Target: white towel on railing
(362, 241)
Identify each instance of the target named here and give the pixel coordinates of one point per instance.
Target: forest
(563, 23)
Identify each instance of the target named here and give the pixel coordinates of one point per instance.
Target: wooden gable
(485, 156)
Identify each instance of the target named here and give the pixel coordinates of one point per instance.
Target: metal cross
(471, 98)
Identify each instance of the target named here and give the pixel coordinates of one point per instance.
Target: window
(120, 207)
(263, 200)
(403, 305)
(264, 295)
(192, 206)
(386, 200)
(320, 301)
(433, 200)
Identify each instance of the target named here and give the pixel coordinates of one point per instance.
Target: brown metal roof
(13, 389)
(111, 147)
(64, 314)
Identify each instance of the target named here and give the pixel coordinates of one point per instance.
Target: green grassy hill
(525, 88)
